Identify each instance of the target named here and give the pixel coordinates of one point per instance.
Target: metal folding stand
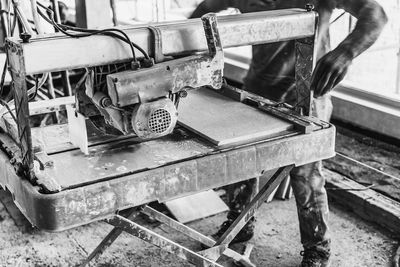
(207, 257)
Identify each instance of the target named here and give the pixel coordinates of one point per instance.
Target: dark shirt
(273, 64)
(271, 71)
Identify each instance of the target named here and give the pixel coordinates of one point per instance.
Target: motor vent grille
(160, 121)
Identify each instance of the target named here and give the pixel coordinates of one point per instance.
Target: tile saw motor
(141, 98)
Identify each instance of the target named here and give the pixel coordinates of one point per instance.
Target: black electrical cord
(127, 40)
(64, 28)
(88, 32)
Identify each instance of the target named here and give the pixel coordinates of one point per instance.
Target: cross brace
(208, 257)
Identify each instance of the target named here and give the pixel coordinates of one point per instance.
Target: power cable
(88, 32)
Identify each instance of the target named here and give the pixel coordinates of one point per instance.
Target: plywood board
(196, 206)
(224, 121)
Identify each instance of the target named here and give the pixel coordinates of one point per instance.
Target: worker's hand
(330, 70)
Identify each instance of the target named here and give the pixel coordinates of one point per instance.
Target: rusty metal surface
(16, 60)
(104, 162)
(303, 71)
(43, 54)
(92, 202)
(179, 37)
(131, 87)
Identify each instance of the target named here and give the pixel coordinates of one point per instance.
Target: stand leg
(161, 242)
(251, 208)
(108, 240)
(205, 240)
(203, 258)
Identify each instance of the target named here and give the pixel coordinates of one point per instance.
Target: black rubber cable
(109, 32)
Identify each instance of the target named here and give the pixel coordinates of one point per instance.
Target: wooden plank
(35, 108)
(196, 206)
(51, 105)
(77, 130)
(271, 197)
(55, 138)
(289, 192)
(367, 203)
(283, 188)
(52, 138)
(367, 159)
(224, 121)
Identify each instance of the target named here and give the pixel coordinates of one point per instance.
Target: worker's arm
(332, 68)
(208, 6)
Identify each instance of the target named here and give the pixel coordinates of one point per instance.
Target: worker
(271, 75)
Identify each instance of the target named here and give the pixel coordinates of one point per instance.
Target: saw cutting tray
(224, 121)
(122, 173)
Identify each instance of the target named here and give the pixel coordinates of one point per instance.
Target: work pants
(307, 182)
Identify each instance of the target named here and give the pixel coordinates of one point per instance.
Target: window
(377, 70)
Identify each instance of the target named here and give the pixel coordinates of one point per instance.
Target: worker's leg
(312, 205)
(238, 196)
(311, 197)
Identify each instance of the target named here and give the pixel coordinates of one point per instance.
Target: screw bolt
(309, 7)
(135, 65)
(25, 37)
(106, 102)
(183, 93)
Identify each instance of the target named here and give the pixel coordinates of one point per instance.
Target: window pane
(377, 69)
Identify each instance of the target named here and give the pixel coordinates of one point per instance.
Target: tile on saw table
(224, 121)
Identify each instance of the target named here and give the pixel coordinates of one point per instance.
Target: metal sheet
(72, 168)
(224, 121)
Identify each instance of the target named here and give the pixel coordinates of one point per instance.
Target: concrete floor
(355, 243)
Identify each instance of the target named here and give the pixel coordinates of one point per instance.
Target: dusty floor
(355, 243)
(380, 155)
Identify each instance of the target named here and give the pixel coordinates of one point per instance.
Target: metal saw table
(123, 173)
(69, 189)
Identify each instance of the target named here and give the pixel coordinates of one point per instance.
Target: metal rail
(57, 52)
